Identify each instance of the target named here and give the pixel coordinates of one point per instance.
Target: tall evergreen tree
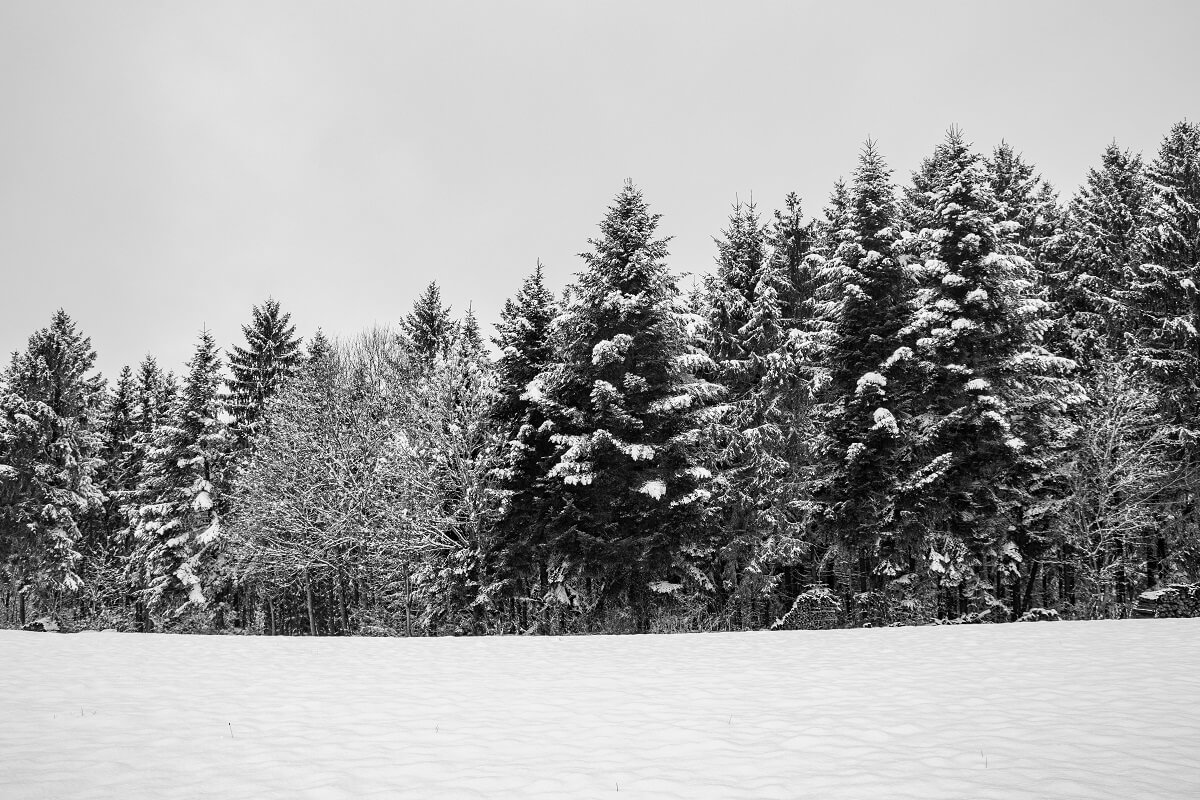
(1102, 242)
(120, 426)
(183, 481)
(155, 394)
(470, 340)
(1026, 208)
(428, 329)
(48, 458)
(1165, 307)
(762, 283)
(259, 369)
(319, 349)
(523, 339)
(974, 358)
(859, 411)
(1164, 297)
(622, 402)
(106, 543)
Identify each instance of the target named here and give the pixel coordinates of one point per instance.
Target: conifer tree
(1102, 242)
(1165, 309)
(428, 329)
(1164, 297)
(48, 458)
(259, 369)
(729, 299)
(763, 280)
(468, 336)
(523, 339)
(155, 393)
(319, 349)
(178, 526)
(120, 425)
(979, 380)
(859, 408)
(1031, 228)
(1026, 208)
(622, 402)
(105, 546)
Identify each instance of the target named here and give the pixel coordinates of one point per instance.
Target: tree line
(958, 399)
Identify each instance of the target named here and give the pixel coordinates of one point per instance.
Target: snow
(1029, 710)
(654, 488)
(869, 379)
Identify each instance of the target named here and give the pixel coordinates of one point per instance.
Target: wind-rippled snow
(1044, 710)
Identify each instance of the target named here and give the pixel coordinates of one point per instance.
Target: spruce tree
(762, 282)
(120, 426)
(859, 410)
(155, 394)
(48, 458)
(978, 377)
(1165, 306)
(523, 339)
(184, 477)
(468, 336)
(428, 329)
(259, 369)
(1102, 242)
(621, 399)
(106, 543)
(1164, 296)
(319, 349)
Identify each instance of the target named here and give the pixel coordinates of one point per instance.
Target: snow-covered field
(1046, 710)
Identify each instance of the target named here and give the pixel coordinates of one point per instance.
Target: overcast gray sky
(165, 166)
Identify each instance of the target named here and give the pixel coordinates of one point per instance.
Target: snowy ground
(1046, 710)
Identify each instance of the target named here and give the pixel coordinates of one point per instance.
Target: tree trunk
(308, 603)
(407, 602)
(1034, 569)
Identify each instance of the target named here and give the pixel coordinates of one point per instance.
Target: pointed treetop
(428, 327)
(319, 346)
(53, 368)
(627, 231)
(469, 338)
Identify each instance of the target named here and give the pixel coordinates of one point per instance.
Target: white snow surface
(1041, 710)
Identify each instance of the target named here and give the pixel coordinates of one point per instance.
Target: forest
(960, 398)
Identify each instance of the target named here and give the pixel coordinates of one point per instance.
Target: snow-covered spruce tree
(107, 544)
(523, 339)
(783, 430)
(762, 282)
(978, 380)
(1102, 242)
(1027, 206)
(1031, 229)
(120, 424)
(1165, 306)
(859, 413)
(1164, 297)
(177, 526)
(48, 458)
(259, 369)
(467, 335)
(428, 329)
(623, 404)
(155, 395)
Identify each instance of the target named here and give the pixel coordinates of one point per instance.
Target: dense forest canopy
(957, 398)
